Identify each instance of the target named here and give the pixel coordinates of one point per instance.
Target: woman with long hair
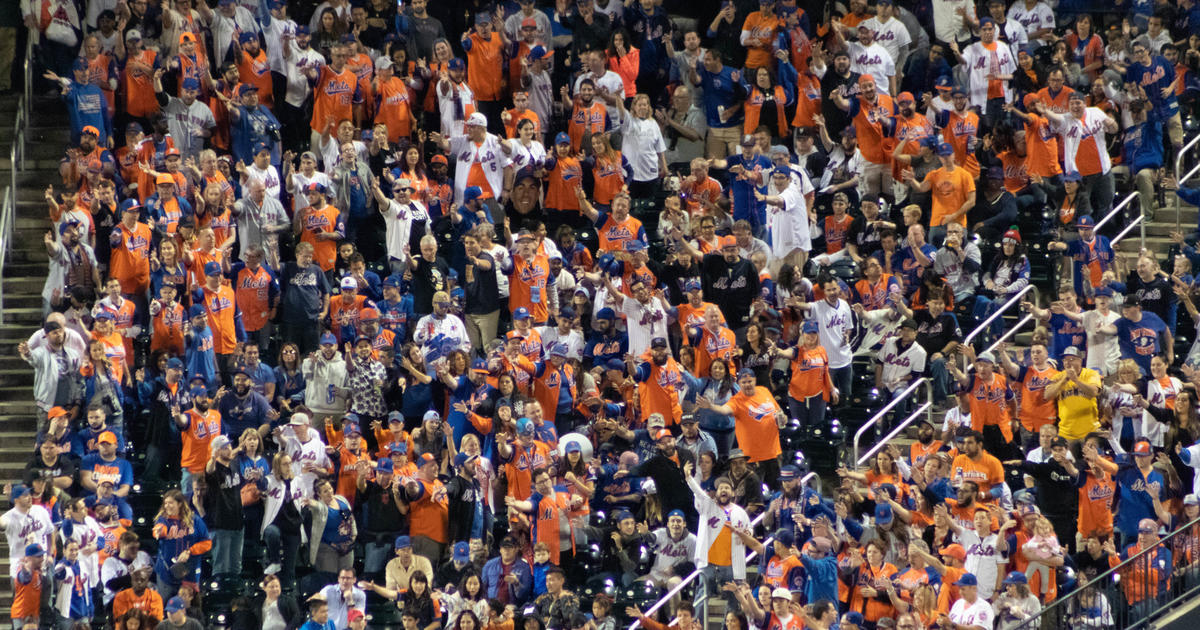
(253, 468)
(418, 385)
(525, 150)
(624, 60)
(333, 533)
(605, 172)
(1016, 604)
(510, 395)
(102, 386)
(182, 538)
(329, 32)
(412, 168)
(284, 499)
(768, 100)
(135, 619)
(717, 387)
(289, 378)
(1085, 47)
(166, 267)
(469, 598)
(1007, 275)
(756, 354)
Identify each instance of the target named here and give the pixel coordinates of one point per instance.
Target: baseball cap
(246, 88)
(736, 453)
(1071, 351)
(968, 579)
(781, 593)
(354, 615)
(133, 35)
(525, 427)
(521, 313)
(80, 64)
(1058, 441)
(383, 63)
(995, 172)
(327, 339)
(164, 179)
(562, 138)
(316, 187)
(605, 313)
(692, 285)
(196, 310)
(34, 550)
(655, 420)
(659, 342)
(461, 552)
(748, 140)
(1016, 577)
(107, 436)
(438, 159)
(471, 193)
(427, 458)
(905, 97)
(191, 83)
(384, 465)
(1191, 499)
(662, 433)
(431, 415)
(909, 322)
(883, 514)
(18, 491)
(1142, 447)
(573, 447)
(943, 82)
(865, 78)
(480, 366)
(175, 604)
(398, 448)
(299, 419)
(477, 119)
(55, 412)
(174, 363)
(1074, 176)
(849, 132)
(558, 349)
(218, 443)
(537, 52)
(403, 542)
(728, 241)
(462, 459)
(986, 356)
(954, 551)
(212, 268)
(349, 283)
(106, 315)
(810, 326)
(785, 536)
(944, 148)
(788, 472)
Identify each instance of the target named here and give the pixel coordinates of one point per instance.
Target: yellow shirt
(1077, 415)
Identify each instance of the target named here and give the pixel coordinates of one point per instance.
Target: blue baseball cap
(247, 36)
(212, 268)
(198, 391)
(562, 138)
(456, 64)
(537, 52)
(18, 491)
(191, 83)
(403, 542)
(196, 310)
(471, 193)
(1072, 176)
(692, 285)
(301, 29)
(525, 427)
(80, 64)
(384, 465)
(328, 338)
(316, 187)
(883, 514)
(259, 147)
(105, 314)
(1085, 222)
(521, 313)
(943, 82)
(605, 313)
(678, 513)
(174, 363)
(810, 326)
(392, 281)
(968, 579)
(788, 473)
(944, 148)
(34, 550)
(461, 552)
(175, 604)
(558, 350)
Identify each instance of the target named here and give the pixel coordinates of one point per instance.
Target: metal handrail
(1140, 220)
(879, 415)
(1059, 606)
(1179, 164)
(691, 577)
(1010, 332)
(6, 219)
(925, 408)
(1015, 299)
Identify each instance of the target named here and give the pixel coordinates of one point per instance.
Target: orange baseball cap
(163, 178)
(107, 436)
(55, 412)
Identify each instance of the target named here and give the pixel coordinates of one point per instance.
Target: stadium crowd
(466, 315)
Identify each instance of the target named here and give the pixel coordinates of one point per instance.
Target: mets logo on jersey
(219, 303)
(618, 232)
(1144, 341)
(533, 275)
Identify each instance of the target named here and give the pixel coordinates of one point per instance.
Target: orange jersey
(395, 108)
(326, 220)
(810, 374)
(129, 262)
(1016, 173)
(528, 286)
(344, 312)
(753, 109)
(989, 404)
(222, 317)
(692, 317)
(1036, 410)
(167, 329)
(756, 429)
(199, 259)
(718, 346)
(961, 132)
(256, 70)
(193, 67)
(608, 177)
(485, 67)
(99, 75)
(1041, 148)
(837, 230)
(659, 392)
(1095, 505)
(334, 97)
(808, 100)
(615, 236)
(868, 123)
(200, 431)
(1058, 102)
(586, 119)
(510, 128)
(364, 69)
(531, 343)
(519, 468)
(698, 194)
(138, 77)
(760, 27)
(873, 608)
(253, 296)
(562, 181)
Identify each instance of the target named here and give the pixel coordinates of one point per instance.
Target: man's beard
(242, 391)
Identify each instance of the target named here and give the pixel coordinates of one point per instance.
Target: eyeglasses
(446, 304)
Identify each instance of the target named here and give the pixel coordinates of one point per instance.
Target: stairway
(24, 276)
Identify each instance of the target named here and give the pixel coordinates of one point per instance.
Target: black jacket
(463, 495)
(251, 618)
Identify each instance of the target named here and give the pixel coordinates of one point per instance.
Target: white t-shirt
(641, 142)
(947, 23)
(892, 35)
(273, 34)
(298, 88)
(644, 322)
(452, 125)
(268, 176)
(1103, 350)
(835, 322)
(977, 614)
(300, 181)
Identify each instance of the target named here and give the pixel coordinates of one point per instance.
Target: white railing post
(912, 387)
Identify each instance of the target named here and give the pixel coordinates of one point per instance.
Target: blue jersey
(87, 105)
(1154, 78)
(1134, 502)
(743, 186)
(201, 358)
(252, 127)
(1143, 147)
(1064, 333)
(722, 90)
(1142, 340)
(397, 316)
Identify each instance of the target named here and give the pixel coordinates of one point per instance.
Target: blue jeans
(227, 551)
(941, 379)
(185, 482)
